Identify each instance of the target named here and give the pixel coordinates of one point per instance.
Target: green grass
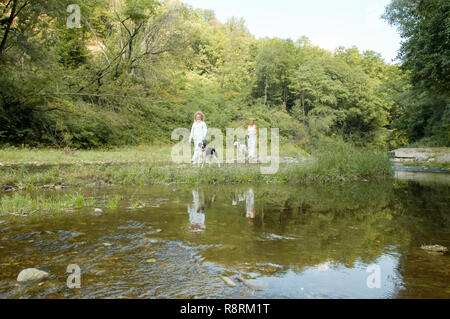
(24, 204)
(332, 161)
(114, 202)
(143, 153)
(136, 154)
(338, 160)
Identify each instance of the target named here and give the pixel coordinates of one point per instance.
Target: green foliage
(114, 202)
(136, 70)
(423, 110)
(425, 26)
(138, 10)
(339, 160)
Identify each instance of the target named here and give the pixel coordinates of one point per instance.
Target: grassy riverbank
(330, 161)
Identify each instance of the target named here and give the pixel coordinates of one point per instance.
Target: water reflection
(238, 197)
(249, 197)
(300, 242)
(250, 204)
(196, 212)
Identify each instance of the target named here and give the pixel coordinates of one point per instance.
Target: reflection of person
(198, 134)
(252, 131)
(237, 199)
(196, 213)
(250, 204)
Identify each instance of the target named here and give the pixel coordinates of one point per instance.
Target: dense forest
(137, 69)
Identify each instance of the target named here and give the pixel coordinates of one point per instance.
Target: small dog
(241, 150)
(207, 154)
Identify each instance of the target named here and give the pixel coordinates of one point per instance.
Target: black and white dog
(207, 154)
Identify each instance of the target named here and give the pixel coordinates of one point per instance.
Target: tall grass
(333, 160)
(339, 160)
(23, 204)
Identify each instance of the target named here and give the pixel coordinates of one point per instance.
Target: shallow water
(286, 241)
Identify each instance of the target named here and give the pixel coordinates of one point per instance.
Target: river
(355, 240)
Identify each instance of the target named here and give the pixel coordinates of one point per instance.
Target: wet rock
(421, 158)
(275, 237)
(252, 285)
(107, 244)
(228, 281)
(159, 230)
(435, 248)
(76, 234)
(444, 158)
(31, 274)
(98, 211)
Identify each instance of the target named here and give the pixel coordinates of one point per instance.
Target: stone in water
(228, 281)
(30, 274)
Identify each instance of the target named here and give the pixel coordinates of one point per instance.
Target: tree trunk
(11, 18)
(265, 92)
(303, 105)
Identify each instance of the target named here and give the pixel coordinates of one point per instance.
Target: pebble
(255, 286)
(76, 234)
(228, 281)
(435, 248)
(30, 274)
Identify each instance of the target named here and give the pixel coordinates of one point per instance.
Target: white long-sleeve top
(251, 130)
(198, 131)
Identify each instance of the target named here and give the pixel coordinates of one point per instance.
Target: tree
(425, 27)
(275, 65)
(425, 55)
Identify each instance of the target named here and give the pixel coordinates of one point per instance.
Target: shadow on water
(284, 241)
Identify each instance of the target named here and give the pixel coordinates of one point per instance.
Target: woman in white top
(252, 131)
(198, 134)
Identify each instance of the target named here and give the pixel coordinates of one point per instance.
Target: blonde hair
(197, 113)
